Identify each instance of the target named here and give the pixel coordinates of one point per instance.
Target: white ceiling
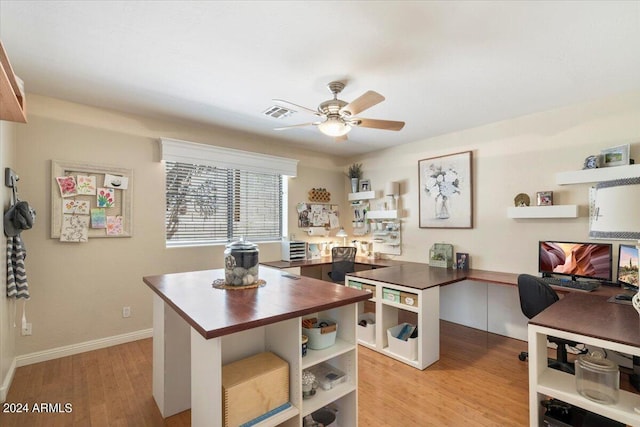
(442, 66)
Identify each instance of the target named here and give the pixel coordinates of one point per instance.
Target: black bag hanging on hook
(18, 217)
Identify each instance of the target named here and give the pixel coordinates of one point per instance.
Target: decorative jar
(241, 263)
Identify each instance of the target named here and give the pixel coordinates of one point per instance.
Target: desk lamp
(343, 234)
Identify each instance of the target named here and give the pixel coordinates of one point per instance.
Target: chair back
(342, 262)
(535, 295)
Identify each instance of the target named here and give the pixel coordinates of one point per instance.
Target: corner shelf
(12, 107)
(554, 211)
(597, 175)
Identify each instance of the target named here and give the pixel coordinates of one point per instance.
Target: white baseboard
(69, 350)
(4, 390)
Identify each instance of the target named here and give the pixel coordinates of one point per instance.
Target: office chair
(342, 262)
(535, 296)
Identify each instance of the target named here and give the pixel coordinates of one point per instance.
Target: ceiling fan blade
(368, 100)
(308, 110)
(378, 124)
(340, 138)
(297, 126)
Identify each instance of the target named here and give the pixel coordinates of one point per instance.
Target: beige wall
(7, 342)
(510, 157)
(78, 290)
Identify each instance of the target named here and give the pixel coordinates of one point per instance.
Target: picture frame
(365, 185)
(544, 198)
(462, 261)
(445, 191)
(615, 156)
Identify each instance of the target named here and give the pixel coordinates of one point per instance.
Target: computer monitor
(576, 259)
(628, 266)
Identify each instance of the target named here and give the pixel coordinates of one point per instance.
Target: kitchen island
(198, 328)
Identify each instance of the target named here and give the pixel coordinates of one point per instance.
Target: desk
(197, 329)
(587, 319)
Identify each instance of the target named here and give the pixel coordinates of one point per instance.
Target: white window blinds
(208, 203)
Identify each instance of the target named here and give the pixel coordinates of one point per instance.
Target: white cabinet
(423, 302)
(343, 356)
(545, 381)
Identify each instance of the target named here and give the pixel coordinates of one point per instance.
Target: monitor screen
(587, 260)
(628, 265)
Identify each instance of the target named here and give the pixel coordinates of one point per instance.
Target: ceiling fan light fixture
(333, 126)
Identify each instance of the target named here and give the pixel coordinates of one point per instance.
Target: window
(215, 195)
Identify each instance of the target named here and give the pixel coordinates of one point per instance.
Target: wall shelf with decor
(362, 195)
(596, 175)
(554, 211)
(389, 214)
(12, 107)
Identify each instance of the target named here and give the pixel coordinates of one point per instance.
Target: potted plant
(355, 173)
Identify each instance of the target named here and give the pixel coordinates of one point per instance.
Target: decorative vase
(354, 185)
(442, 208)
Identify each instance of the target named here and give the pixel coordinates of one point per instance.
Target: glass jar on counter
(241, 263)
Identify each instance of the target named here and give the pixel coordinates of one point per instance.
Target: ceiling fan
(339, 115)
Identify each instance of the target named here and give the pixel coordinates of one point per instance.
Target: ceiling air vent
(278, 112)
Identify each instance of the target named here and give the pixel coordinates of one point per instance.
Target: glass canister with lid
(241, 263)
(597, 378)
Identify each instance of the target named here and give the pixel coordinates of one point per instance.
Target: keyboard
(586, 286)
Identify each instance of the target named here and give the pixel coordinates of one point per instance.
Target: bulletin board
(317, 215)
(101, 194)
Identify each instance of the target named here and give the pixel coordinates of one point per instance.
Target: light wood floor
(478, 381)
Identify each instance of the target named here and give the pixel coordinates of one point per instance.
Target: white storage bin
(407, 349)
(367, 332)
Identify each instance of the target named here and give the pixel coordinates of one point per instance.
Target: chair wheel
(522, 357)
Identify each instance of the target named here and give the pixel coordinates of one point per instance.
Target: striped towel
(17, 286)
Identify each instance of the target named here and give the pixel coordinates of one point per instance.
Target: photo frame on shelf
(445, 191)
(615, 156)
(462, 261)
(93, 185)
(544, 198)
(365, 185)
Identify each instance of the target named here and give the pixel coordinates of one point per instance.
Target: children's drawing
(86, 184)
(75, 206)
(67, 185)
(75, 228)
(114, 225)
(106, 198)
(98, 218)
(114, 181)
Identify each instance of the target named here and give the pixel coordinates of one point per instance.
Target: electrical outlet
(126, 311)
(27, 329)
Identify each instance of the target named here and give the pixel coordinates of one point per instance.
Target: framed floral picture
(445, 191)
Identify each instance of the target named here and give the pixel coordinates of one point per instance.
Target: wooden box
(252, 387)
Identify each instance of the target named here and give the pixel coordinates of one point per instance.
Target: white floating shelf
(555, 211)
(390, 214)
(597, 175)
(362, 195)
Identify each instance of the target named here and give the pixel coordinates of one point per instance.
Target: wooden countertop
(422, 276)
(327, 260)
(592, 316)
(217, 312)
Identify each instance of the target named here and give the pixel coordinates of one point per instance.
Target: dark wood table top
(422, 276)
(216, 312)
(327, 260)
(592, 316)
